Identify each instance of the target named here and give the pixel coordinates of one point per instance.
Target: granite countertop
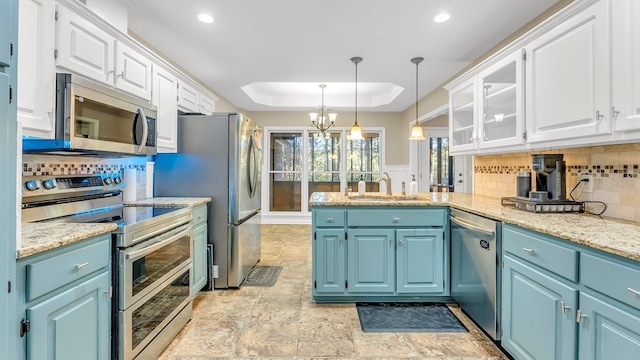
(169, 201)
(610, 235)
(40, 237)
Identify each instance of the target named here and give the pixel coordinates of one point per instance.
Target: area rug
(262, 276)
(407, 317)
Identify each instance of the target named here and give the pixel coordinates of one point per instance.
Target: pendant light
(416, 131)
(356, 132)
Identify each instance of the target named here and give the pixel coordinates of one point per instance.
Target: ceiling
(272, 55)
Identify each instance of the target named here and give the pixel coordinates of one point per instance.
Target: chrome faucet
(387, 181)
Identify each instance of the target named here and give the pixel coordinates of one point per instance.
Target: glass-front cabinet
(486, 110)
(462, 116)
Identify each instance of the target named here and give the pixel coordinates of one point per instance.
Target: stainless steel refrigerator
(220, 156)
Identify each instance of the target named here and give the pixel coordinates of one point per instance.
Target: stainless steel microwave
(95, 119)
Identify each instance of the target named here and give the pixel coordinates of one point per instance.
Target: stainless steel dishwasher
(475, 268)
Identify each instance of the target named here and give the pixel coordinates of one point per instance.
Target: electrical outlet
(587, 186)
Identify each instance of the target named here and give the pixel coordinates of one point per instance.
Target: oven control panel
(33, 186)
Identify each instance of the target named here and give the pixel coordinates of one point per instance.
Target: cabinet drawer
(396, 217)
(536, 250)
(614, 279)
(54, 272)
(328, 218)
(199, 214)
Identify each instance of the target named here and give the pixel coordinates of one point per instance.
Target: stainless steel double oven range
(151, 255)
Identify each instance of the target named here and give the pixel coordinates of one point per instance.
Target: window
(304, 162)
(364, 161)
(285, 174)
(440, 173)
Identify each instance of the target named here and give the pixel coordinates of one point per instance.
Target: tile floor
(282, 322)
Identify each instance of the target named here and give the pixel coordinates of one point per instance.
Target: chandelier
(323, 120)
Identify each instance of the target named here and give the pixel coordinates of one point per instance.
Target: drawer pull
(395, 220)
(330, 220)
(564, 307)
(528, 251)
(80, 266)
(634, 292)
(200, 217)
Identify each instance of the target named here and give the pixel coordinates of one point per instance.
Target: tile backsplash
(615, 170)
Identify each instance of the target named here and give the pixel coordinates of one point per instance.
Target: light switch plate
(587, 186)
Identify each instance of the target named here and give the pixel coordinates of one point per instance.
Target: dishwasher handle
(470, 226)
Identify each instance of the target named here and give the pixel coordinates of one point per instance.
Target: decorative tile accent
(630, 171)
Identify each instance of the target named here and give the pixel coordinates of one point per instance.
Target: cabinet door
(462, 114)
(607, 332)
(207, 104)
(371, 265)
(199, 260)
(73, 325)
(84, 48)
(420, 257)
(534, 324)
(329, 268)
(188, 98)
(5, 33)
(500, 103)
(36, 68)
(567, 78)
(7, 201)
(165, 98)
(133, 71)
(625, 57)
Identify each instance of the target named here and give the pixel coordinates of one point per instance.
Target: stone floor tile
(325, 339)
(277, 308)
(268, 339)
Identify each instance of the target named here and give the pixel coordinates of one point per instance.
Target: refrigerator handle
(249, 167)
(254, 151)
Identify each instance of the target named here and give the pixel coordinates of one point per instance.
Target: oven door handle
(162, 240)
(472, 227)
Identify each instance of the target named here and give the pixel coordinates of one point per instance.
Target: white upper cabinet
(207, 104)
(567, 78)
(84, 48)
(625, 60)
(486, 110)
(500, 113)
(133, 71)
(36, 68)
(188, 98)
(192, 100)
(165, 94)
(462, 115)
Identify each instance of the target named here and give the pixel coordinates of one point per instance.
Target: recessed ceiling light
(205, 18)
(442, 17)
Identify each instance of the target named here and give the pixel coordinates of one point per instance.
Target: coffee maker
(550, 193)
(550, 177)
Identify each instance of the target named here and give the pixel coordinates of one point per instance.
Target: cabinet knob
(564, 307)
(634, 292)
(528, 251)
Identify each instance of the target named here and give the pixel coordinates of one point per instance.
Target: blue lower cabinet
(73, 325)
(538, 314)
(371, 265)
(607, 332)
(199, 260)
(329, 261)
(420, 261)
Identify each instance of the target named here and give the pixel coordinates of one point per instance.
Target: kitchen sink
(385, 198)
